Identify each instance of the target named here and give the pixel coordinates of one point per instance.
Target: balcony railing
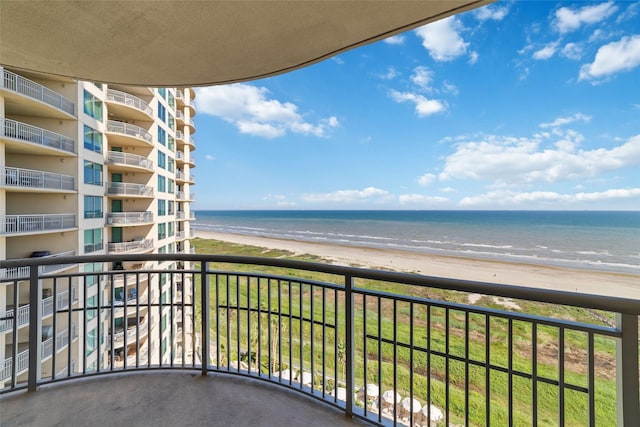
(179, 135)
(129, 189)
(35, 135)
(26, 87)
(119, 158)
(17, 224)
(115, 126)
(358, 339)
(130, 247)
(6, 318)
(128, 218)
(128, 100)
(28, 178)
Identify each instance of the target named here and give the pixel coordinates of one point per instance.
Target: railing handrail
(22, 223)
(30, 178)
(599, 302)
(129, 188)
(129, 129)
(28, 133)
(18, 84)
(130, 217)
(128, 99)
(129, 159)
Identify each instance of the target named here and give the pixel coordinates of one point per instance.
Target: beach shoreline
(466, 268)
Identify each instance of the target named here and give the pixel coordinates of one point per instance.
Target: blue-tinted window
(92, 139)
(162, 184)
(162, 112)
(162, 136)
(92, 106)
(162, 207)
(93, 240)
(93, 207)
(162, 160)
(92, 173)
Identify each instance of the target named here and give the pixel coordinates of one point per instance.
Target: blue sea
(580, 239)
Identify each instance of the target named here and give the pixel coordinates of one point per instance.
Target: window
(162, 232)
(171, 144)
(162, 136)
(93, 207)
(93, 240)
(162, 207)
(172, 248)
(162, 184)
(172, 122)
(162, 160)
(91, 305)
(92, 139)
(162, 250)
(164, 346)
(171, 165)
(164, 322)
(162, 92)
(171, 227)
(162, 112)
(92, 173)
(171, 186)
(92, 267)
(170, 210)
(172, 100)
(91, 341)
(92, 106)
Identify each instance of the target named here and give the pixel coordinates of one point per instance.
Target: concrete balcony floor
(162, 398)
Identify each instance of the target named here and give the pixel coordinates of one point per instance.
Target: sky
(523, 105)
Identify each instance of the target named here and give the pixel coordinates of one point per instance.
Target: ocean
(579, 239)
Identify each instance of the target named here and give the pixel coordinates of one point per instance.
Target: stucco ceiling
(191, 43)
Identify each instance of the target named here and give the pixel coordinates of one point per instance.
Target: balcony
(182, 177)
(133, 247)
(182, 235)
(127, 161)
(31, 224)
(7, 318)
(356, 339)
(181, 158)
(28, 179)
(54, 104)
(182, 216)
(120, 219)
(25, 138)
(128, 189)
(122, 104)
(121, 133)
(184, 121)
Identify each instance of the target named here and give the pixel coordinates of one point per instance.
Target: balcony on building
(24, 95)
(123, 104)
(118, 160)
(181, 159)
(185, 121)
(123, 219)
(121, 133)
(21, 137)
(131, 247)
(33, 180)
(182, 177)
(11, 225)
(183, 216)
(129, 189)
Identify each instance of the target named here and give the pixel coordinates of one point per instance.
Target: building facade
(91, 168)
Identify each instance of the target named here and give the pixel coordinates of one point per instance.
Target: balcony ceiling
(191, 43)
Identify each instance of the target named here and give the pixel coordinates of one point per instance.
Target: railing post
(35, 328)
(627, 382)
(204, 307)
(349, 354)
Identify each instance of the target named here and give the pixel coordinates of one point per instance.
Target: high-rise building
(90, 168)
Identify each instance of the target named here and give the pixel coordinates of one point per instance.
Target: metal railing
(128, 100)
(33, 134)
(26, 87)
(117, 157)
(115, 126)
(360, 339)
(28, 178)
(180, 155)
(129, 188)
(120, 218)
(179, 135)
(16, 224)
(130, 247)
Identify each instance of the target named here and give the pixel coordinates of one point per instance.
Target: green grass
(278, 314)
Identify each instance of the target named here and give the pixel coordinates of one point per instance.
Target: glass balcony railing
(28, 178)
(129, 218)
(129, 189)
(129, 129)
(18, 84)
(35, 135)
(382, 346)
(128, 100)
(134, 246)
(129, 159)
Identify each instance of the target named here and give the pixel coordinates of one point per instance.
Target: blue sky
(518, 105)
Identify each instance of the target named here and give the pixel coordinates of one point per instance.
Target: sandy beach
(531, 275)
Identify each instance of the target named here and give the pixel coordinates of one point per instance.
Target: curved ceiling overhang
(194, 43)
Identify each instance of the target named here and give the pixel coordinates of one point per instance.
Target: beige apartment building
(90, 169)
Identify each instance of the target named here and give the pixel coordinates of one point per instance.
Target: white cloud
(450, 88)
(614, 57)
(422, 76)
(442, 39)
(511, 198)
(568, 19)
(510, 160)
(473, 57)
(337, 60)
(491, 12)
(391, 74)
(209, 157)
(421, 199)
(561, 121)
(252, 112)
(448, 190)
(426, 179)
(348, 196)
(270, 196)
(395, 40)
(546, 52)
(424, 106)
(572, 51)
